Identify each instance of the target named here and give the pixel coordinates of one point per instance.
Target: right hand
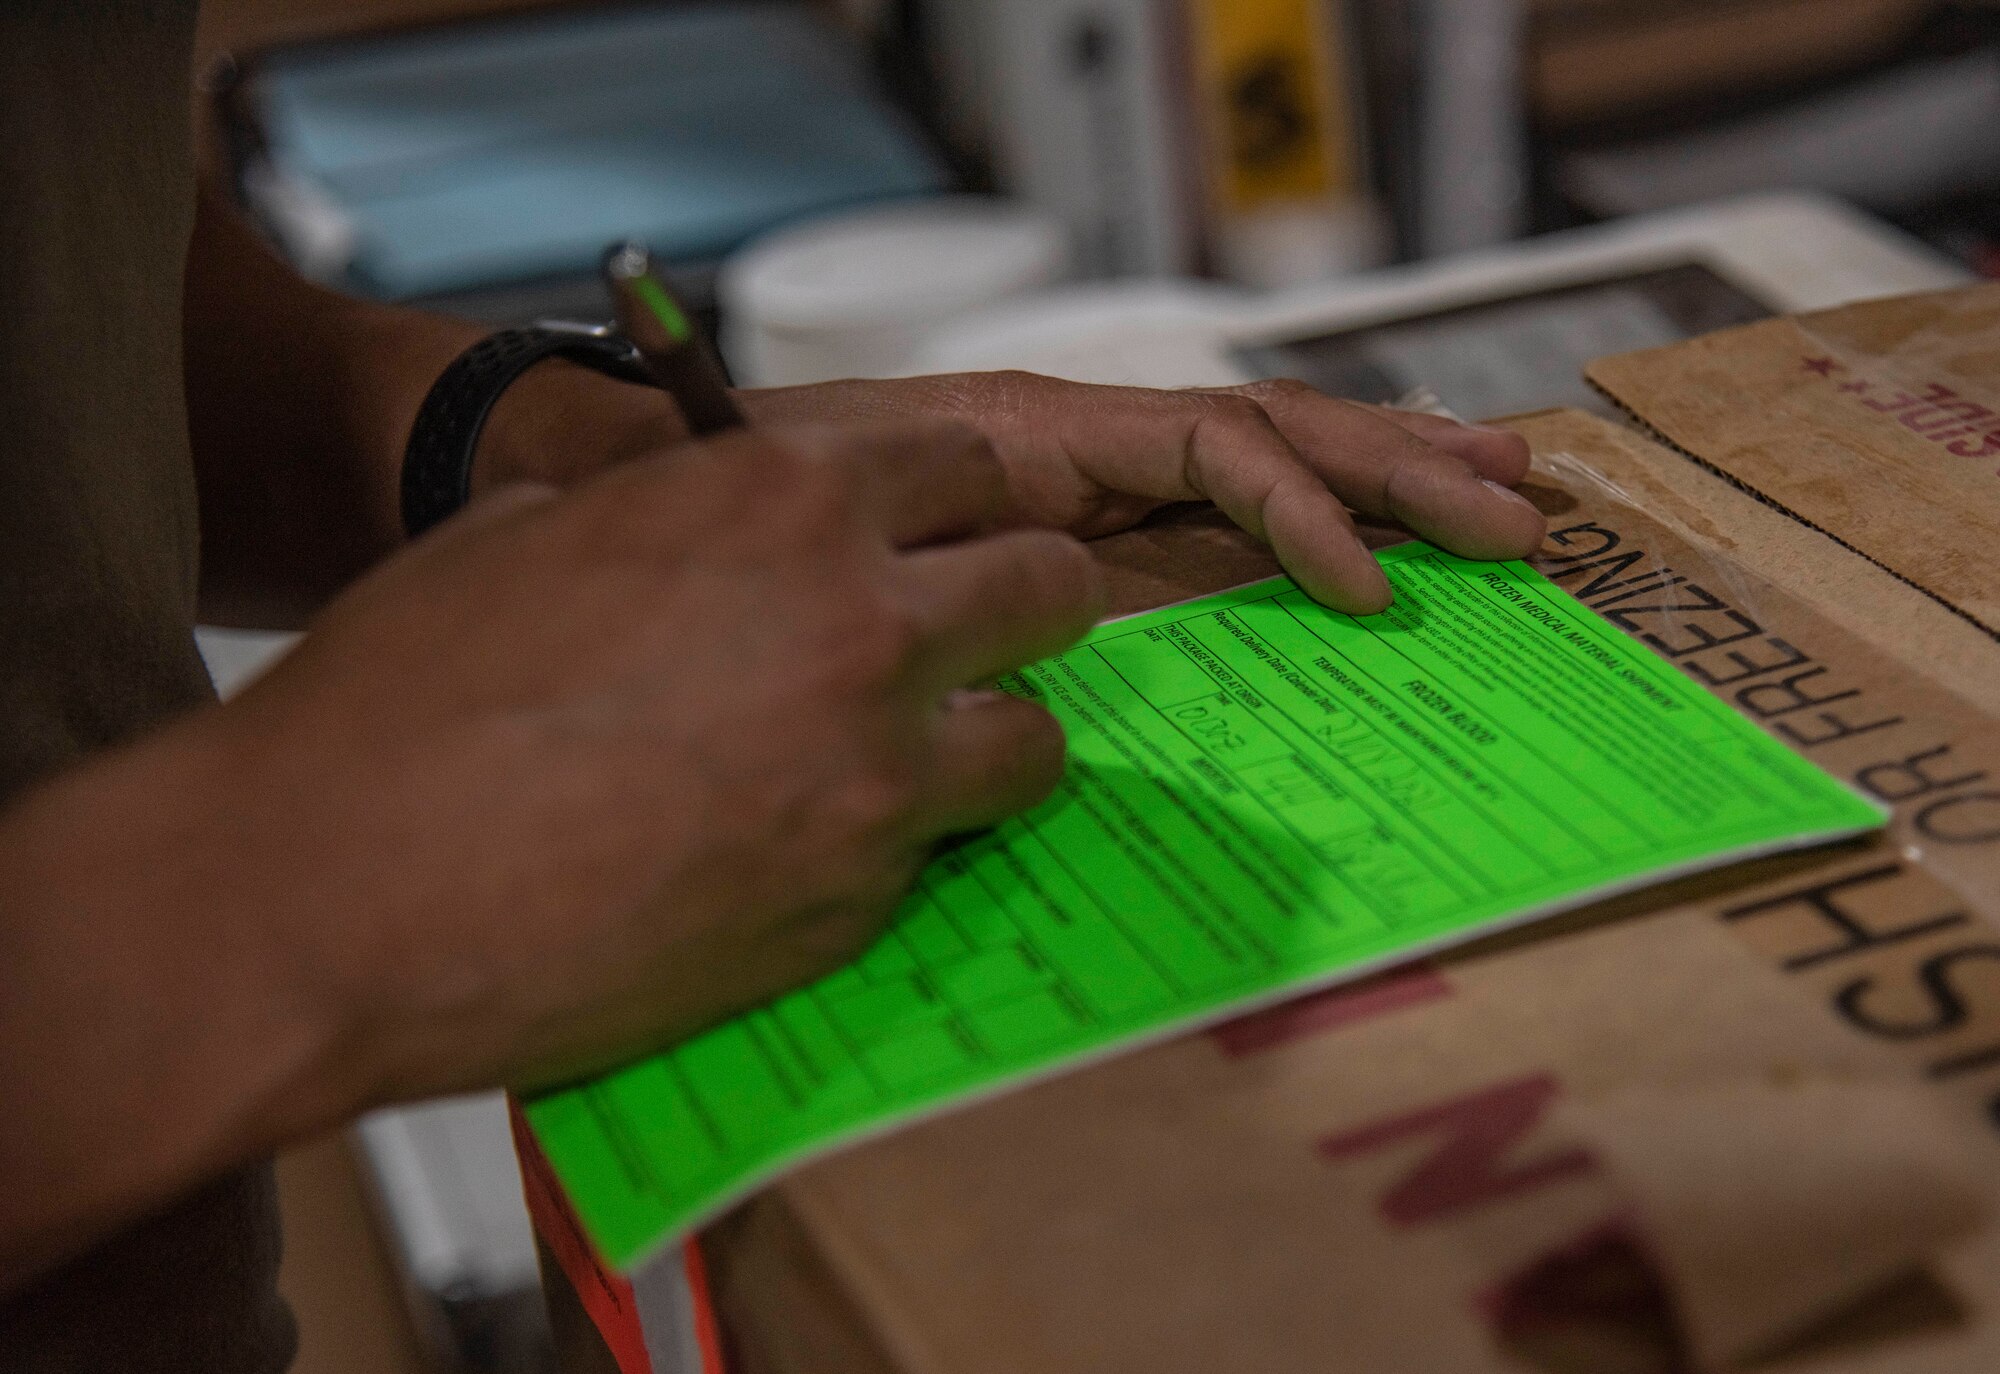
(582, 774)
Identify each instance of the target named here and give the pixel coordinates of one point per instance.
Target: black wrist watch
(437, 464)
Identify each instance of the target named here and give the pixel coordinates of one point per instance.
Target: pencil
(672, 352)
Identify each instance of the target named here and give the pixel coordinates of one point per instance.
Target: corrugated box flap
(1878, 424)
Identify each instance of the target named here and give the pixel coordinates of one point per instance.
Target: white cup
(857, 294)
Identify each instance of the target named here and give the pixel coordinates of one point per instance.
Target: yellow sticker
(1275, 110)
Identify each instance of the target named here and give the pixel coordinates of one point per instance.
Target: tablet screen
(1515, 353)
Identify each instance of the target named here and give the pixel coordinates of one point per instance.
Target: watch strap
(437, 463)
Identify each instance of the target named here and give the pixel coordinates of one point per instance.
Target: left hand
(1283, 460)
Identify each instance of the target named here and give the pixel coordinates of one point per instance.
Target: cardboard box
(1878, 426)
(1744, 1120)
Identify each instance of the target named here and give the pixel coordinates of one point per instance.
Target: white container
(856, 295)
(1159, 331)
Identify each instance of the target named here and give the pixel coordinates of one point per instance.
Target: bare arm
(301, 401)
(153, 1034)
(527, 801)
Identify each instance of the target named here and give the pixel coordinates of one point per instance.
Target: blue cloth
(497, 152)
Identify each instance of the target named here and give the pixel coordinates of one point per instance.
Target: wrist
(562, 423)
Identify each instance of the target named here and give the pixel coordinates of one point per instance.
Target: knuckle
(1238, 410)
(871, 647)
(818, 486)
(1009, 387)
(972, 460)
(978, 455)
(740, 481)
(1426, 468)
(802, 503)
(1280, 389)
(798, 455)
(1421, 478)
(789, 459)
(1062, 573)
(955, 433)
(738, 459)
(968, 448)
(878, 798)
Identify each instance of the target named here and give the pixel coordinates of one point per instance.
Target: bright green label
(1263, 796)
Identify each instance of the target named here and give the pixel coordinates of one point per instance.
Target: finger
(996, 756)
(920, 481)
(1235, 457)
(1498, 455)
(989, 606)
(1385, 472)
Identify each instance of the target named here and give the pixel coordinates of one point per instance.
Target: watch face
(1512, 354)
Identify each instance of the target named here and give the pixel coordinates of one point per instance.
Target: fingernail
(1510, 494)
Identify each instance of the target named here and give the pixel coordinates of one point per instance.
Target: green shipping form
(1263, 796)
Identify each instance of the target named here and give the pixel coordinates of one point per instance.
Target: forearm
(295, 394)
(155, 1031)
(300, 405)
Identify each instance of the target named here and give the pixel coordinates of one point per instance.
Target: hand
(571, 779)
(1284, 461)
(657, 750)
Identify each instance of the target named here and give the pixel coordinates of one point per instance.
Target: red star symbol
(1825, 367)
